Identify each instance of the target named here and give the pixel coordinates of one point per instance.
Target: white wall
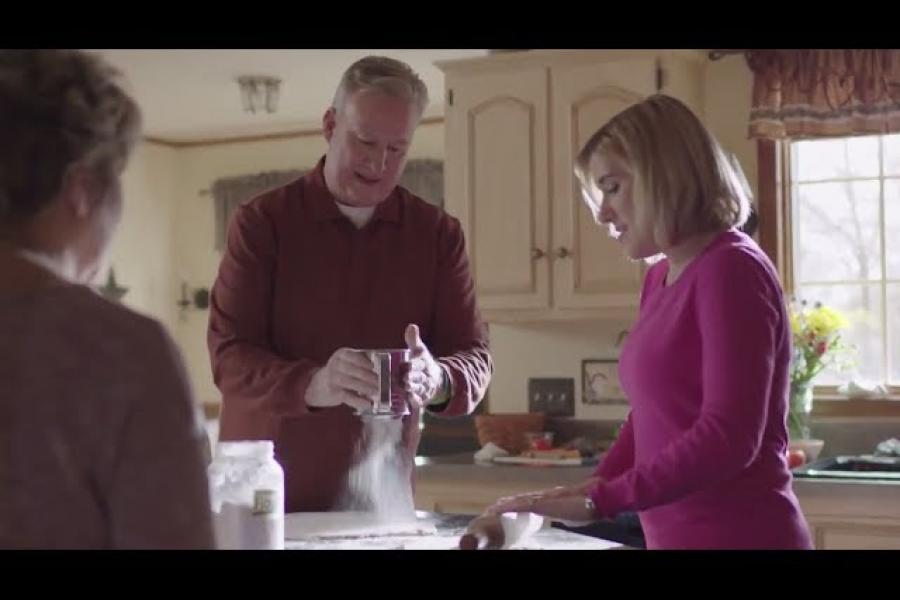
(728, 89)
(142, 252)
(549, 350)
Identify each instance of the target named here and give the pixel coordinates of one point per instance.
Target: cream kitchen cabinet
(513, 126)
(855, 534)
(851, 515)
(842, 515)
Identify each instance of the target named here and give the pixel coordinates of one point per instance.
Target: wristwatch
(589, 505)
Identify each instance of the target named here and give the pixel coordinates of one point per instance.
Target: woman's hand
(566, 503)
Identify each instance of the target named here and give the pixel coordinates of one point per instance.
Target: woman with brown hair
(99, 442)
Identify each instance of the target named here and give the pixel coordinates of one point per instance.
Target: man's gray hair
(387, 75)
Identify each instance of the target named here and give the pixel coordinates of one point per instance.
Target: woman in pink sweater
(701, 457)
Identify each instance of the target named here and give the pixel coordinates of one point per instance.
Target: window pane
(892, 225)
(862, 307)
(837, 233)
(894, 331)
(831, 158)
(892, 154)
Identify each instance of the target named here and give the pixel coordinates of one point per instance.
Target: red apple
(796, 458)
(541, 444)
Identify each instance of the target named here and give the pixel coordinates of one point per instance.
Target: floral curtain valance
(819, 93)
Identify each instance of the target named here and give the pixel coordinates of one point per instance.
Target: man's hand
(424, 376)
(349, 377)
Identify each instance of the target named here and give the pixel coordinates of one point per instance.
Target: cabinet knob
(537, 253)
(563, 252)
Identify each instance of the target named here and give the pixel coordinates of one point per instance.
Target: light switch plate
(553, 396)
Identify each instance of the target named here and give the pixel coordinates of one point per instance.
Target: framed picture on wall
(600, 382)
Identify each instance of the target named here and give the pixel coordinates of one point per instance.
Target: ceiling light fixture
(259, 93)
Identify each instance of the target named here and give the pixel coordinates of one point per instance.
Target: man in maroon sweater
(343, 259)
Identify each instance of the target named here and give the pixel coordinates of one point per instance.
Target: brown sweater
(100, 446)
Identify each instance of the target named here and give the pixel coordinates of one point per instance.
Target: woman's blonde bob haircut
(684, 184)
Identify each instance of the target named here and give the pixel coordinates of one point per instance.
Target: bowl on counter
(811, 448)
(508, 430)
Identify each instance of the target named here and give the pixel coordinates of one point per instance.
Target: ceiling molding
(243, 139)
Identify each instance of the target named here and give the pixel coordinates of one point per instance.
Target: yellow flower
(796, 323)
(824, 321)
(816, 340)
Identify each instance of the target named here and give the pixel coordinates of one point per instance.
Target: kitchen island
(841, 513)
(450, 528)
(851, 514)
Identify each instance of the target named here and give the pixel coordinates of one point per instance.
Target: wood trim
(844, 407)
(774, 208)
(773, 162)
(243, 139)
(159, 141)
(767, 204)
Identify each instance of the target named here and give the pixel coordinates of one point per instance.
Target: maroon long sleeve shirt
(298, 281)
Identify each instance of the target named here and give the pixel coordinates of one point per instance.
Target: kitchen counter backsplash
(842, 436)
(465, 439)
(850, 437)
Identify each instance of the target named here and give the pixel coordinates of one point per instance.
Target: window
(845, 246)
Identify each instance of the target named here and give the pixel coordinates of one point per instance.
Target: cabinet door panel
(497, 171)
(595, 273)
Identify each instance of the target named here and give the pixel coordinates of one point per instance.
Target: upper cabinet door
(589, 268)
(497, 182)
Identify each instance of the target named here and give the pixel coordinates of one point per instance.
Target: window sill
(828, 405)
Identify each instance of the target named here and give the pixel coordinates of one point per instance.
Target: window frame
(776, 239)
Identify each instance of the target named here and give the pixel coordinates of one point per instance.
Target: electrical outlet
(553, 396)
